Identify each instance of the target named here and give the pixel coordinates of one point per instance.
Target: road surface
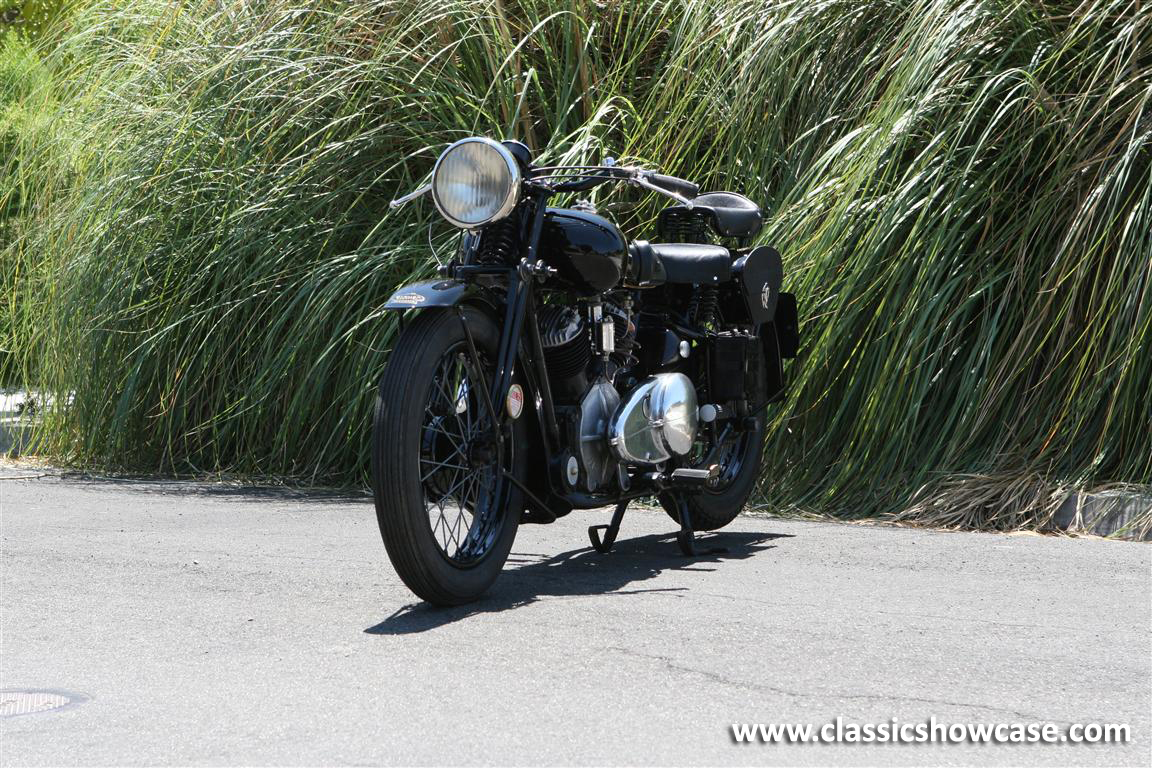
(212, 625)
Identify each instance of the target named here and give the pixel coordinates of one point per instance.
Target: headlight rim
(510, 200)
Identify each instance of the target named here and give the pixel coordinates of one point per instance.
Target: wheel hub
(481, 453)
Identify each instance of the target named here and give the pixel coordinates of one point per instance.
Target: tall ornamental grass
(961, 190)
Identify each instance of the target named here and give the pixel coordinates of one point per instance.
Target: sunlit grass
(962, 192)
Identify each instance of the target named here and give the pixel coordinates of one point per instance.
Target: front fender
(443, 292)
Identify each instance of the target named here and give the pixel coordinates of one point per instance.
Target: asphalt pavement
(211, 624)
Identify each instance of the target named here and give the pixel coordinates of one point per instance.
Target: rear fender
(781, 340)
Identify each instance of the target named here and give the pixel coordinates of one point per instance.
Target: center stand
(688, 480)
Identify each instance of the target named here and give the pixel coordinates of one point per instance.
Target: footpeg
(695, 477)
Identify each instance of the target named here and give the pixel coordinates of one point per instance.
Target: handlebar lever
(673, 184)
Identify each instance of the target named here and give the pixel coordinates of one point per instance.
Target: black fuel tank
(587, 250)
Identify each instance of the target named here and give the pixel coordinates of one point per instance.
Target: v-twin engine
(656, 419)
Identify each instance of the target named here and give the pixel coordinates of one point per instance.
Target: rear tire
(443, 553)
(711, 510)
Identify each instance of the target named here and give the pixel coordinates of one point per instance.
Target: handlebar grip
(682, 187)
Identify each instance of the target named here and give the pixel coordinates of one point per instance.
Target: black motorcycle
(554, 366)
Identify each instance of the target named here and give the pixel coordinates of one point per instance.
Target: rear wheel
(447, 512)
(739, 458)
(714, 508)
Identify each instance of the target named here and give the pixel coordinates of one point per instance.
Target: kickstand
(686, 537)
(610, 530)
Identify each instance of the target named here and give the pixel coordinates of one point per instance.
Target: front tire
(447, 514)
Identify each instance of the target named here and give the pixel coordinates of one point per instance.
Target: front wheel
(447, 511)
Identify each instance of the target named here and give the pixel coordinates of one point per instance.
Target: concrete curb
(1121, 513)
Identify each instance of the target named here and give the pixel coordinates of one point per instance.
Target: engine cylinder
(567, 349)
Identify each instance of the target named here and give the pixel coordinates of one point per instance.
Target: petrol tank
(587, 250)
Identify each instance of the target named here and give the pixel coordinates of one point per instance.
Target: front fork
(518, 298)
(516, 303)
(520, 341)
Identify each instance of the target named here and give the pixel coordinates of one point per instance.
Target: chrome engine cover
(657, 419)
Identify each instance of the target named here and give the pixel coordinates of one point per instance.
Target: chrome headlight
(475, 181)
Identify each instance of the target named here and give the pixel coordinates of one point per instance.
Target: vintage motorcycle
(555, 366)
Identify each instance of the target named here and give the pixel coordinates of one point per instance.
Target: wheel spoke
(451, 492)
(459, 497)
(458, 446)
(441, 523)
(476, 531)
(468, 531)
(456, 537)
(439, 465)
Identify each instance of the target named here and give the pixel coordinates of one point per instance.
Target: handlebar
(680, 186)
(681, 190)
(592, 180)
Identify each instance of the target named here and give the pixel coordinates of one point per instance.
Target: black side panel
(787, 323)
(760, 274)
(781, 339)
(773, 363)
(733, 367)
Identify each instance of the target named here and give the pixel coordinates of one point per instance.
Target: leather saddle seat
(728, 214)
(682, 262)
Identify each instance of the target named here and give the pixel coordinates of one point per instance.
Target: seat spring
(684, 228)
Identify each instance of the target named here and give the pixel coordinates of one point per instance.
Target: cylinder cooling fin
(565, 340)
(567, 349)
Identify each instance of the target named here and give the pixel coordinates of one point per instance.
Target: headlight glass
(475, 181)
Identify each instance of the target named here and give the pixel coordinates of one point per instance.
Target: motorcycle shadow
(581, 572)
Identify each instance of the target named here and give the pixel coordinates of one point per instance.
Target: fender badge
(514, 403)
(408, 298)
(765, 294)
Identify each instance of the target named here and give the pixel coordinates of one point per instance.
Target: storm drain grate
(14, 703)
